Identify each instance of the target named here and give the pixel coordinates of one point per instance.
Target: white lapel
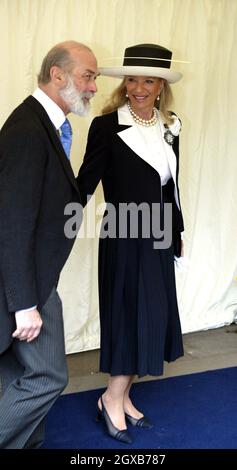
(134, 140)
(132, 136)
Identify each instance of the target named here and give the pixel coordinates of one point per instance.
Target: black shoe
(120, 435)
(140, 422)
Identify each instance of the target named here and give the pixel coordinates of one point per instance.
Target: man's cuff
(27, 309)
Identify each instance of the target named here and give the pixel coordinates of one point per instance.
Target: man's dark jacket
(36, 183)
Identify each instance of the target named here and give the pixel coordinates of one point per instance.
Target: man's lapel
(53, 137)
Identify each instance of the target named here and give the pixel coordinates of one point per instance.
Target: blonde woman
(133, 148)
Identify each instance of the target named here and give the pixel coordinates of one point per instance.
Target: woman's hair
(118, 99)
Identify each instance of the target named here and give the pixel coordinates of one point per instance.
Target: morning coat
(36, 184)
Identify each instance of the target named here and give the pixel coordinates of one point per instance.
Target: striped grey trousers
(32, 376)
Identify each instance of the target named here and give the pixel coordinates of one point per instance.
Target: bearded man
(36, 183)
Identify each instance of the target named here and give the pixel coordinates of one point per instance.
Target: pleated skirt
(139, 317)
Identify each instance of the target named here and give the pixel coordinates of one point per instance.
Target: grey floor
(204, 350)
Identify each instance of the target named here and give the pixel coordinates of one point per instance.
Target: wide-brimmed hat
(148, 60)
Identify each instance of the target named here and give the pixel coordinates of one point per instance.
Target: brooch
(168, 136)
(172, 131)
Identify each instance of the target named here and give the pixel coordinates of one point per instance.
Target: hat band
(147, 62)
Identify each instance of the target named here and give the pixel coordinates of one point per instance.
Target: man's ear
(58, 76)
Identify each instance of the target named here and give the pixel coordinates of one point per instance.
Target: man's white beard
(74, 98)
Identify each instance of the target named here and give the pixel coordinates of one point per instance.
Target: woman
(133, 149)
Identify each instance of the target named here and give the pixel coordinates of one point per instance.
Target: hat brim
(126, 70)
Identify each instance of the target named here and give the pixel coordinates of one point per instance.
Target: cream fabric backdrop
(201, 31)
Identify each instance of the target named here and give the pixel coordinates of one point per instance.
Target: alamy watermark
(126, 220)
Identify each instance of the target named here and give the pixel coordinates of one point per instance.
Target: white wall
(201, 31)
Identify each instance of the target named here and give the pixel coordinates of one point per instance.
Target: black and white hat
(148, 60)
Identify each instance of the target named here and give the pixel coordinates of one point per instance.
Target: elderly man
(36, 183)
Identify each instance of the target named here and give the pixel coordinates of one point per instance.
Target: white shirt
(55, 113)
(155, 147)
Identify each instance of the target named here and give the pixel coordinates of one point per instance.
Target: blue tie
(66, 137)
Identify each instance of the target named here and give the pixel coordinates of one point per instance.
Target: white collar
(124, 116)
(55, 113)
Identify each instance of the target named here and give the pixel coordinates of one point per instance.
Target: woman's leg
(129, 408)
(113, 399)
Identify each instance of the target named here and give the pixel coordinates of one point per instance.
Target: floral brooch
(172, 130)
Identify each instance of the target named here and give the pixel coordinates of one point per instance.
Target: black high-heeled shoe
(140, 422)
(120, 435)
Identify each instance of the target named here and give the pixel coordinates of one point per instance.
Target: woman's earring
(158, 98)
(126, 95)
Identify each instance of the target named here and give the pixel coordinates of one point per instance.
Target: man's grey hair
(60, 56)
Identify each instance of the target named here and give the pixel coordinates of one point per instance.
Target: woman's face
(143, 91)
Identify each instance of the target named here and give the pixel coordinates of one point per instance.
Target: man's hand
(28, 325)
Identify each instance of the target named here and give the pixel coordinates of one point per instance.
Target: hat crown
(148, 55)
(149, 60)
